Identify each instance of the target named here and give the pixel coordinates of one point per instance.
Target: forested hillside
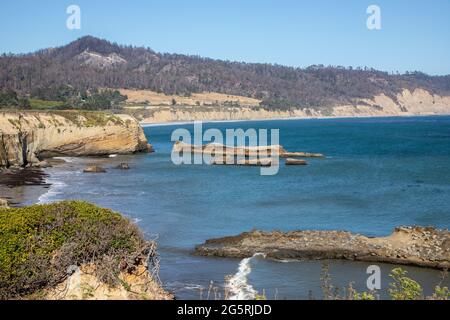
(72, 72)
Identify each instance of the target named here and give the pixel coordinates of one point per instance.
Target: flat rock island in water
(419, 246)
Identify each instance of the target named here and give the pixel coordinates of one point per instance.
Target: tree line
(277, 86)
(63, 97)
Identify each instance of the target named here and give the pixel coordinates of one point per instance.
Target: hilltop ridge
(92, 63)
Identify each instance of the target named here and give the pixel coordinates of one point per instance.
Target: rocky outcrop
(28, 137)
(252, 162)
(220, 150)
(406, 103)
(426, 247)
(295, 162)
(94, 169)
(137, 284)
(123, 166)
(260, 156)
(4, 203)
(301, 155)
(215, 149)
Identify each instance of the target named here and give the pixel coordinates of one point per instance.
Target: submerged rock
(255, 162)
(123, 166)
(149, 148)
(295, 162)
(260, 162)
(301, 155)
(94, 169)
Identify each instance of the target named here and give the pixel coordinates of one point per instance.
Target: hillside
(89, 63)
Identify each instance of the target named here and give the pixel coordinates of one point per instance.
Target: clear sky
(414, 35)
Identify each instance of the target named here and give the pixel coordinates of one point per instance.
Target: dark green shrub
(39, 243)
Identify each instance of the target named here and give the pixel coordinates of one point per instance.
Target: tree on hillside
(10, 99)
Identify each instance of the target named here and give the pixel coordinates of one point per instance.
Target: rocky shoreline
(418, 246)
(20, 185)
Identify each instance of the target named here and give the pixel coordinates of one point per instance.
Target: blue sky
(415, 35)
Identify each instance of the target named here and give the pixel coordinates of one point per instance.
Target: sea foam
(238, 285)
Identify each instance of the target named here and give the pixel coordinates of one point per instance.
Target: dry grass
(147, 97)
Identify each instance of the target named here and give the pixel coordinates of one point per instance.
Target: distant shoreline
(174, 123)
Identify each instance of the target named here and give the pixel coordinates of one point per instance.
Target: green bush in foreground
(40, 242)
(401, 288)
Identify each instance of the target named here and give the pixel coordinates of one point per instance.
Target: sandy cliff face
(407, 103)
(83, 285)
(28, 137)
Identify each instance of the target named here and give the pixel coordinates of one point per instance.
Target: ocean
(378, 173)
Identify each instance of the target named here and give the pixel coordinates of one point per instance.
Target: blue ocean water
(378, 173)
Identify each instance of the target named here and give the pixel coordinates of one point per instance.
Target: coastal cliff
(417, 102)
(26, 137)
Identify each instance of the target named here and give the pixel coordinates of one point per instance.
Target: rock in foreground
(419, 246)
(4, 203)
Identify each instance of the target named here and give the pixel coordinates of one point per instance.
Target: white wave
(66, 159)
(137, 220)
(181, 286)
(55, 187)
(113, 156)
(238, 285)
(194, 287)
(288, 260)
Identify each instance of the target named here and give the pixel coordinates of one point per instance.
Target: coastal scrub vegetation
(62, 97)
(401, 287)
(10, 99)
(79, 118)
(40, 243)
(88, 118)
